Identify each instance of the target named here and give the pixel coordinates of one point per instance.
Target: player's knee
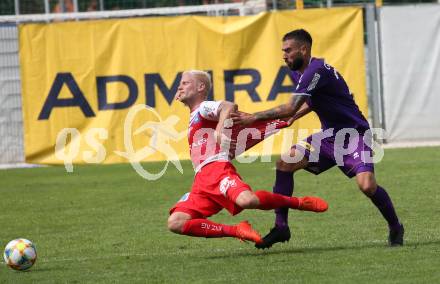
(281, 165)
(368, 188)
(247, 201)
(286, 166)
(175, 224)
(367, 183)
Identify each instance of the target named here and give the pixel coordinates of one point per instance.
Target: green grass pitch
(107, 224)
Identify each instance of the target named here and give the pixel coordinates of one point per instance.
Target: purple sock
(383, 202)
(283, 185)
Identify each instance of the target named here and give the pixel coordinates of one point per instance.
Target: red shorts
(216, 186)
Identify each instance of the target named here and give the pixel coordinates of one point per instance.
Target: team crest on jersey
(227, 183)
(195, 119)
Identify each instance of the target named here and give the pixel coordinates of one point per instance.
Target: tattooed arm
(288, 109)
(304, 109)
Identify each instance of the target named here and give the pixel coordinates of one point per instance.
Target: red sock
(269, 200)
(208, 229)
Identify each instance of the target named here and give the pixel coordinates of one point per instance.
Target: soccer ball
(20, 254)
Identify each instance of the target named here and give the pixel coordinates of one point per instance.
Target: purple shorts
(349, 152)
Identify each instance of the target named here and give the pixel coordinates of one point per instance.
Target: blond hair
(203, 77)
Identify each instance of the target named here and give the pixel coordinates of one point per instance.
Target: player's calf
(268, 200)
(290, 166)
(177, 221)
(209, 229)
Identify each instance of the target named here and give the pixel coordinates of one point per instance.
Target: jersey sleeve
(311, 81)
(209, 109)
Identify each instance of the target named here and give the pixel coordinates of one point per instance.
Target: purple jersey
(329, 96)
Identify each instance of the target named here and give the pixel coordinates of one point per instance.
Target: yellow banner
(81, 81)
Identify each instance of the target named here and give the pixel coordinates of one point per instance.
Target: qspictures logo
(161, 132)
(341, 145)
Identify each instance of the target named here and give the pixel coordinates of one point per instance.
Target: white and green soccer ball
(20, 254)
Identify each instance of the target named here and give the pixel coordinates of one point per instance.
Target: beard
(296, 64)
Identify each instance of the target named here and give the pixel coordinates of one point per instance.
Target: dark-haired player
(320, 88)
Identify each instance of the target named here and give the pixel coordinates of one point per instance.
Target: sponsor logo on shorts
(226, 183)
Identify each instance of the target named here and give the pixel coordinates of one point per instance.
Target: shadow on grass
(32, 270)
(40, 269)
(311, 250)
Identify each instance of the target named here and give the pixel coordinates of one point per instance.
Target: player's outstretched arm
(286, 110)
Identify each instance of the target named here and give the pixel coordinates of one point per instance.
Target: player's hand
(288, 120)
(243, 118)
